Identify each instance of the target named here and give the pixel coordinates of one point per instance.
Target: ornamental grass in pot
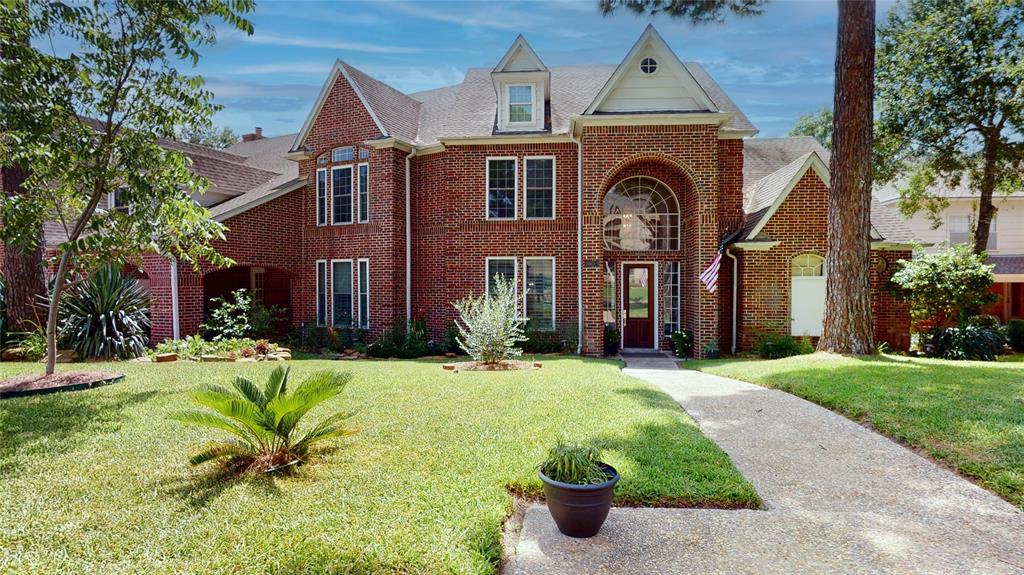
(578, 488)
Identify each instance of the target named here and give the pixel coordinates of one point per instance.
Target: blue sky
(776, 66)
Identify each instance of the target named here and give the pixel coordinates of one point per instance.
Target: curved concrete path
(839, 498)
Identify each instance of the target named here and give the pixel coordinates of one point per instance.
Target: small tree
(946, 287)
(87, 124)
(491, 326)
(818, 125)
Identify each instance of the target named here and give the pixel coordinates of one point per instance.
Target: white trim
(519, 43)
(755, 246)
(408, 235)
(321, 297)
(285, 189)
(579, 249)
(359, 293)
(1008, 278)
(359, 201)
(554, 318)
(735, 133)
(389, 142)
(327, 195)
(175, 317)
(895, 246)
(506, 110)
(487, 273)
(351, 178)
(487, 188)
(352, 282)
(653, 304)
(554, 186)
(507, 138)
(651, 36)
(576, 123)
(339, 68)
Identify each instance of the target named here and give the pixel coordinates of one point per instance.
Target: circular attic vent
(648, 66)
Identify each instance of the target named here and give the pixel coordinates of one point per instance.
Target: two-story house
(603, 191)
(956, 225)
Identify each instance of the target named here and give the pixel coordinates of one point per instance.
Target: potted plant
(612, 338)
(682, 341)
(711, 349)
(578, 488)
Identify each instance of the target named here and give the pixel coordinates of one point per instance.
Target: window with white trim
(520, 103)
(539, 300)
(257, 283)
(321, 292)
(501, 267)
(364, 293)
(342, 154)
(341, 195)
(501, 188)
(324, 158)
(671, 282)
(341, 293)
(364, 193)
(961, 231)
(610, 308)
(540, 188)
(808, 265)
(364, 153)
(116, 201)
(321, 197)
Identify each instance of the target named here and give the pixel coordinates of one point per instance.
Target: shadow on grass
(55, 423)
(197, 490)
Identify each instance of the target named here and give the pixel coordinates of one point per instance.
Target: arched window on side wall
(807, 295)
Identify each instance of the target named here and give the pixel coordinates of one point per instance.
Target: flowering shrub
(491, 327)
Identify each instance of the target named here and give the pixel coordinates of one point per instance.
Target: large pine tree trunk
(848, 327)
(986, 209)
(22, 269)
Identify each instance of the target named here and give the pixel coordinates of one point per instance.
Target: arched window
(808, 265)
(641, 213)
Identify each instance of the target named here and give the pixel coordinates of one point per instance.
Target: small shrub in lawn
(313, 338)
(612, 339)
(106, 316)
(491, 327)
(575, 464)
(1015, 334)
(971, 342)
(401, 341)
(543, 342)
(264, 420)
(230, 318)
(775, 346)
(682, 342)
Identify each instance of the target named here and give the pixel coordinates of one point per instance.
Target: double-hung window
(341, 195)
(501, 268)
(540, 188)
(341, 293)
(501, 188)
(321, 292)
(520, 104)
(539, 301)
(364, 193)
(364, 293)
(321, 196)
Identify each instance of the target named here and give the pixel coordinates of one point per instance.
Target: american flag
(710, 276)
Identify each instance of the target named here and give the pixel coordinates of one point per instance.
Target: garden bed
(35, 384)
(506, 365)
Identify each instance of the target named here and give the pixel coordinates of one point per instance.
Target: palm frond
(249, 391)
(277, 383)
(204, 419)
(221, 451)
(326, 429)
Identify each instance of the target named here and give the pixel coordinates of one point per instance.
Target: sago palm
(263, 420)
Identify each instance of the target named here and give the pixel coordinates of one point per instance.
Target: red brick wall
(891, 316)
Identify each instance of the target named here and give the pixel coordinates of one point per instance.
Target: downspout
(175, 323)
(735, 287)
(408, 235)
(579, 241)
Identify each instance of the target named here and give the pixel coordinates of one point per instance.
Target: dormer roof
(520, 57)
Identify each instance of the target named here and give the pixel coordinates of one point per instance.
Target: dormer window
(520, 104)
(648, 66)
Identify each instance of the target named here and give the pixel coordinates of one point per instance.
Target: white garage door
(807, 305)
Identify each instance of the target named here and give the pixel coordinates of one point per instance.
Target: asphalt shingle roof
(1007, 264)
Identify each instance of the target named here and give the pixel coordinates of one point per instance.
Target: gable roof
(266, 154)
(520, 57)
(651, 40)
(766, 195)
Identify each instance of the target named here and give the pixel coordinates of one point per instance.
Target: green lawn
(969, 415)
(97, 481)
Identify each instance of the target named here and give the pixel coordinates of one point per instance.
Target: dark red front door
(639, 299)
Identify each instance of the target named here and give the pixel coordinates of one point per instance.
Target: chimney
(257, 135)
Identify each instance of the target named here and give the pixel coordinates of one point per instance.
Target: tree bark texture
(848, 326)
(986, 209)
(22, 268)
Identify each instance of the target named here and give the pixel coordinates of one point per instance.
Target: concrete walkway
(840, 499)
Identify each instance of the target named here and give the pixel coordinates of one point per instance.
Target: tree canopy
(211, 136)
(945, 287)
(818, 125)
(87, 124)
(950, 89)
(697, 12)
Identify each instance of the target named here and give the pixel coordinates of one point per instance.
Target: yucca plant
(106, 316)
(263, 420)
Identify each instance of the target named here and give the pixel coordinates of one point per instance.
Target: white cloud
(305, 42)
(312, 67)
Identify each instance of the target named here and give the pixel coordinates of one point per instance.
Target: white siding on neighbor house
(1009, 226)
(664, 90)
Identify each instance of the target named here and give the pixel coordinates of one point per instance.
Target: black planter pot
(580, 510)
(713, 354)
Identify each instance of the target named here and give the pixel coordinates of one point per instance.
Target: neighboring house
(603, 191)
(956, 225)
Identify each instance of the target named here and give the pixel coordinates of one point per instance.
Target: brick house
(604, 191)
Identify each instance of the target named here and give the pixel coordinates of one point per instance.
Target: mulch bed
(33, 384)
(512, 365)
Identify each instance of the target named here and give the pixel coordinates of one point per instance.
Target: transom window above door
(641, 214)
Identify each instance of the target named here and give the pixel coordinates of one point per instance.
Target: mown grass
(968, 415)
(97, 481)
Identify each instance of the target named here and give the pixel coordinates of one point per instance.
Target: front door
(639, 296)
